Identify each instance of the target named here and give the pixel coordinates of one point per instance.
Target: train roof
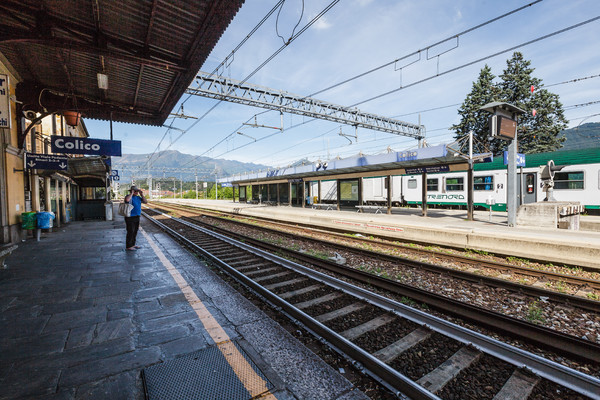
(561, 157)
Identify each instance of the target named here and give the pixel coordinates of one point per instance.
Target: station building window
(483, 182)
(93, 193)
(432, 185)
(568, 180)
(455, 184)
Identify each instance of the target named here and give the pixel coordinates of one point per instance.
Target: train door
(529, 187)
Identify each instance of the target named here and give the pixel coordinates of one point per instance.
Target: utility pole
(196, 184)
(216, 185)
(504, 125)
(181, 185)
(470, 180)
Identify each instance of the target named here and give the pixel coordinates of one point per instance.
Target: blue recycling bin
(44, 219)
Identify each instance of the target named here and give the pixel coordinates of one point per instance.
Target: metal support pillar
(511, 184)
(424, 194)
(35, 193)
(47, 188)
(338, 194)
(470, 180)
(319, 192)
(360, 191)
(63, 209)
(389, 194)
(58, 213)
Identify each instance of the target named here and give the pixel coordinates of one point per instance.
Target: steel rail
(577, 301)
(540, 335)
(389, 377)
(574, 380)
(340, 231)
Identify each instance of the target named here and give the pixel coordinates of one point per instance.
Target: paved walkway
(81, 317)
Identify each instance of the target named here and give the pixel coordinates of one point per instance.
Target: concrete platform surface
(442, 227)
(81, 317)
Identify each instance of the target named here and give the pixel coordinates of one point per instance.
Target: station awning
(147, 52)
(427, 159)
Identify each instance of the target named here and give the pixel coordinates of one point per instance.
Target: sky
(356, 36)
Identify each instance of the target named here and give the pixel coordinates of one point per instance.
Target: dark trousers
(132, 223)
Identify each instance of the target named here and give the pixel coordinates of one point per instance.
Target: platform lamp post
(503, 125)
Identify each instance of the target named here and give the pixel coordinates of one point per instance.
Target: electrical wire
(223, 63)
(294, 30)
(478, 60)
(315, 19)
(363, 74)
(414, 53)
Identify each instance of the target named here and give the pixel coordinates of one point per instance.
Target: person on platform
(135, 198)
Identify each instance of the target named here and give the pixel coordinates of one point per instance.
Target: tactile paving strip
(202, 375)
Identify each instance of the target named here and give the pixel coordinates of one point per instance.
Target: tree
(539, 132)
(472, 118)
(536, 133)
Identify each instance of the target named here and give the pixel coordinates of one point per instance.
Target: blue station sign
(77, 145)
(520, 159)
(46, 161)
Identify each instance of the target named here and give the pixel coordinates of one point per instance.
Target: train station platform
(82, 318)
(487, 232)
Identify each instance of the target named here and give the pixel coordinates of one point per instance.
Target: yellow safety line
(253, 383)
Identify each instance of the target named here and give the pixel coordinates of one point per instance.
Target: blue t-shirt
(136, 202)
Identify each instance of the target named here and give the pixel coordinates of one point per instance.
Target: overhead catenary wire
(414, 53)
(467, 64)
(481, 59)
(331, 87)
(223, 63)
(308, 25)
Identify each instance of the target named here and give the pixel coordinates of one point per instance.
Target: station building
(98, 60)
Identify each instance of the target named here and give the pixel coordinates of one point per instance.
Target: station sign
(520, 159)
(4, 102)
(226, 184)
(428, 170)
(78, 145)
(46, 161)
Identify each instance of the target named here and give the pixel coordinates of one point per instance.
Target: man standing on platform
(135, 198)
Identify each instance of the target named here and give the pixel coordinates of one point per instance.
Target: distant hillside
(172, 163)
(582, 137)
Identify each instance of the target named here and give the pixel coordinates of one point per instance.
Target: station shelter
(338, 183)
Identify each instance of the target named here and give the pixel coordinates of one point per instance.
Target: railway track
(569, 345)
(410, 352)
(471, 267)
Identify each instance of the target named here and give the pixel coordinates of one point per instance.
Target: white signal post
(503, 124)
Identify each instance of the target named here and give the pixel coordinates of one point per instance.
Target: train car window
(432, 185)
(568, 180)
(412, 183)
(483, 182)
(455, 184)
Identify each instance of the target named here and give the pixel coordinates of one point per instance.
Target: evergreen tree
(540, 132)
(472, 118)
(536, 133)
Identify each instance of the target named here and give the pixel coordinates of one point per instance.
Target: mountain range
(582, 137)
(173, 164)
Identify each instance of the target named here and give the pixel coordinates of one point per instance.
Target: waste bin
(44, 219)
(28, 220)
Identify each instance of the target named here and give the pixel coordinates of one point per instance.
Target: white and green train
(579, 180)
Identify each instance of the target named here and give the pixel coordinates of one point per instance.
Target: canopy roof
(150, 50)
